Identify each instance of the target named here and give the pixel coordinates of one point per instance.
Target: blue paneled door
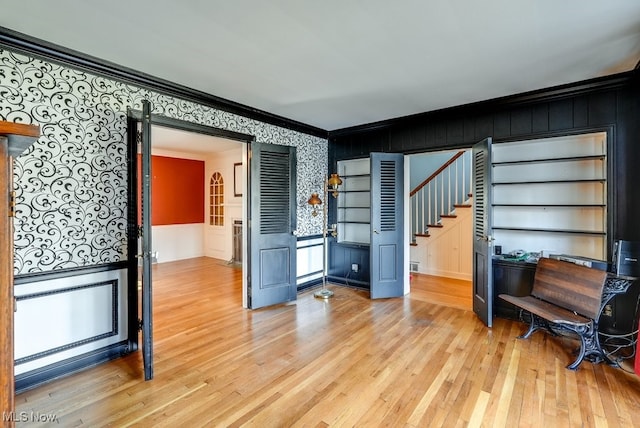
(387, 259)
(272, 225)
(482, 232)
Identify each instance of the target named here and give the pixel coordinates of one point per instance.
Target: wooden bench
(567, 297)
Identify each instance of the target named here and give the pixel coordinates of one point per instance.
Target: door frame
(134, 116)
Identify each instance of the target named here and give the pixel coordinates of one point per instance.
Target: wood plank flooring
(346, 361)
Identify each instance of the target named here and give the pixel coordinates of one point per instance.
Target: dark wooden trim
(132, 232)
(496, 104)
(29, 278)
(183, 125)
(34, 378)
(29, 45)
(435, 174)
(307, 238)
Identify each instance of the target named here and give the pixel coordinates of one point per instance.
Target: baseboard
(351, 283)
(34, 378)
(447, 274)
(309, 284)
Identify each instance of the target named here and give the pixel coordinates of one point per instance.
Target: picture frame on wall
(237, 179)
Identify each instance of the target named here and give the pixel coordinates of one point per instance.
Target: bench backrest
(571, 286)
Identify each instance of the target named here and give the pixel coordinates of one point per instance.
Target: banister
(435, 174)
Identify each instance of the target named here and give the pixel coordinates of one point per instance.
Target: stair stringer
(448, 250)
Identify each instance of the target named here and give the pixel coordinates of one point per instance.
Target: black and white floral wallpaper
(71, 186)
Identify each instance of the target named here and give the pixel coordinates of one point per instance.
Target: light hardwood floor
(346, 361)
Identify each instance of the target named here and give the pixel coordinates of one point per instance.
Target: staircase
(441, 220)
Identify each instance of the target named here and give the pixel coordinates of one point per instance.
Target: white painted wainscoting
(61, 318)
(309, 263)
(178, 241)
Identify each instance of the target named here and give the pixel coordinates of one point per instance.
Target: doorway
(441, 206)
(217, 163)
(140, 146)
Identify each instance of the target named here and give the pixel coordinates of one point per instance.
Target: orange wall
(177, 191)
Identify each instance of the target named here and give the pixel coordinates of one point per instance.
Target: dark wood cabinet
(342, 256)
(514, 278)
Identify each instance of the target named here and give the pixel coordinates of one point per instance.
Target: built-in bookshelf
(354, 202)
(551, 194)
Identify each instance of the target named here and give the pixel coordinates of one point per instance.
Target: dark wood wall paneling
(611, 103)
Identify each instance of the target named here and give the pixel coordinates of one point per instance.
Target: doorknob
(376, 232)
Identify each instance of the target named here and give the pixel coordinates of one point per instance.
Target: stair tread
(435, 225)
(462, 205)
(448, 216)
(426, 235)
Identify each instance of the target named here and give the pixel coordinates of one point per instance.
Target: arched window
(216, 200)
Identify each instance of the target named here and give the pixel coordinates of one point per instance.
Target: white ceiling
(176, 140)
(339, 63)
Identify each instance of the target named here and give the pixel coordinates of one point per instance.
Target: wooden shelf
(548, 160)
(551, 205)
(565, 231)
(590, 180)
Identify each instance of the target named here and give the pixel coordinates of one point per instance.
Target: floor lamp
(332, 184)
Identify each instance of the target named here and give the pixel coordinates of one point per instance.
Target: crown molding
(501, 103)
(32, 46)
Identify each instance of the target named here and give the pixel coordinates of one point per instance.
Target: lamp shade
(334, 181)
(314, 200)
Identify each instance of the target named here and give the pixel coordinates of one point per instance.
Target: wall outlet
(354, 267)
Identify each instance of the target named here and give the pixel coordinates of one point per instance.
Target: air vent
(387, 196)
(479, 167)
(274, 193)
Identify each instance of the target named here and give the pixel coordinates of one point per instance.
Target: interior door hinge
(139, 231)
(12, 204)
(139, 324)
(139, 137)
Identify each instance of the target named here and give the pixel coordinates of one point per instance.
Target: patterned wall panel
(71, 186)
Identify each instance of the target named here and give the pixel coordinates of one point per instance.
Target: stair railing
(440, 192)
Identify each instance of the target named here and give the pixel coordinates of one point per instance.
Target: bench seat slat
(576, 288)
(546, 310)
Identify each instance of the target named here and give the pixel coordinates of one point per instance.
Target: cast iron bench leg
(536, 324)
